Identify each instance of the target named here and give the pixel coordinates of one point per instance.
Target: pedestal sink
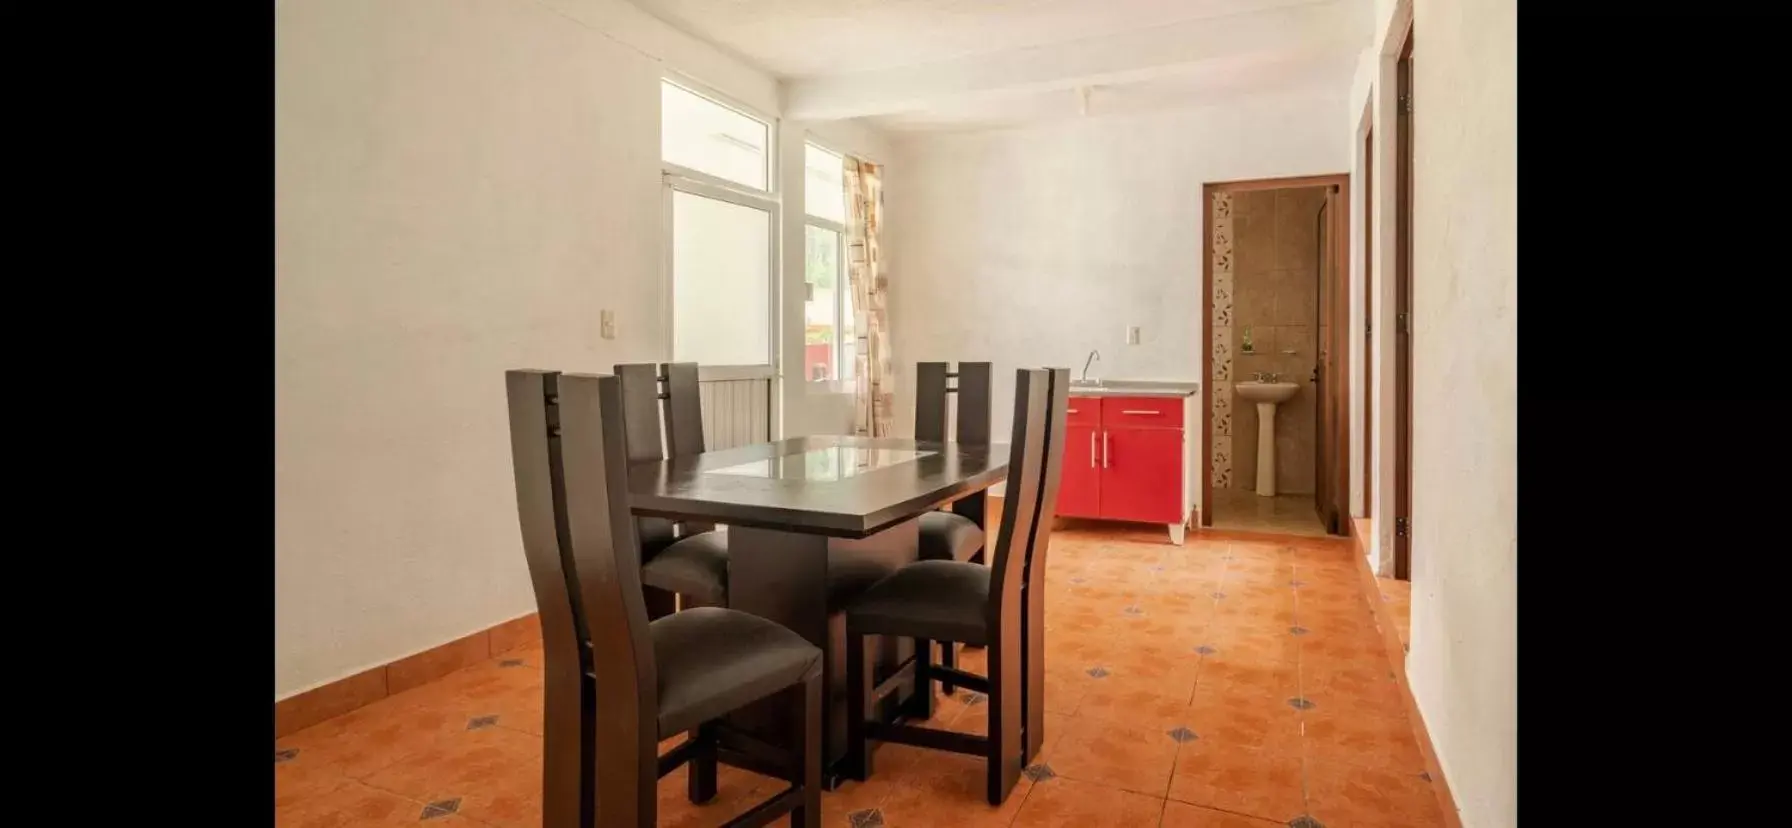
(1266, 395)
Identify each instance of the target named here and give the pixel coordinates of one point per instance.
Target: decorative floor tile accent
(481, 722)
(1425, 775)
(1301, 704)
(440, 809)
(1183, 734)
(1039, 772)
(973, 699)
(1098, 672)
(1298, 630)
(1134, 610)
(1205, 650)
(285, 755)
(511, 662)
(868, 818)
(1297, 584)
(1218, 596)
(1304, 822)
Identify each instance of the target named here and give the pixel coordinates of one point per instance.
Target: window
(722, 226)
(702, 135)
(829, 341)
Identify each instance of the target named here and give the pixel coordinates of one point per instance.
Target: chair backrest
(684, 409)
(570, 459)
(1035, 458)
(932, 387)
(641, 410)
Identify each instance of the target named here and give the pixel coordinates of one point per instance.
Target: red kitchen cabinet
(1079, 486)
(1126, 458)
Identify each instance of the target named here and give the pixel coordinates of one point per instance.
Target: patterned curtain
(874, 394)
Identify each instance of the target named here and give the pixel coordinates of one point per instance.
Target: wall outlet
(1132, 335)
(606, 324)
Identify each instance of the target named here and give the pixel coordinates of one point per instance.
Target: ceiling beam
(1130, 57)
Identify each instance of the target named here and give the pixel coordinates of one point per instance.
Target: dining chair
(960, 601)
(688, 560)
(948, 536)
(616, 684)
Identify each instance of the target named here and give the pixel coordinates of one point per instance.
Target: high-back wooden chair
(616, 683)
(683, 559)
(959, 601)
(955, 535)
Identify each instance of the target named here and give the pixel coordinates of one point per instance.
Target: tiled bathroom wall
(1270, 289)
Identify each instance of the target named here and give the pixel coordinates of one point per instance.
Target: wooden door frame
(1369, 322)
(1403, 350)
(1208, 190)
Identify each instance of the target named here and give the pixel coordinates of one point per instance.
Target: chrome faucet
(1094, 356)
(1266, 376)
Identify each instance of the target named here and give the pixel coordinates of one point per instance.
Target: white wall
(1464, 658)
(1030, 247)
(461, 185)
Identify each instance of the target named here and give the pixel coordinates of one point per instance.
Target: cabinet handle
(1138, 411)
(1070, 411)
(1104, 449)
(1091, 449)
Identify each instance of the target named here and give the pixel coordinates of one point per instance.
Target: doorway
(1273, 287)
(1403, 351)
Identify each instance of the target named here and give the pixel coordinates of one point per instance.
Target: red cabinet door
(1079, 486)
(1142, 479)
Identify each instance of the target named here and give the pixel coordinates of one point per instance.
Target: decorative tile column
(1220, 419)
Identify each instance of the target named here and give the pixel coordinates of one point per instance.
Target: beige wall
(461, 187)
(1275, 295)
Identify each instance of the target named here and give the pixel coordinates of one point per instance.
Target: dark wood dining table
(811, 522)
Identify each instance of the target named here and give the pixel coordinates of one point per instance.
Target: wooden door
(1369, 323)
(1403, 206)
(1323, 378)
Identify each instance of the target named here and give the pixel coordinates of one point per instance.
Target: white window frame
(680, 179)
(842, 280)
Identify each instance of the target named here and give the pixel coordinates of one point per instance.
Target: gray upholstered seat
(696, 567)
(938, 600)
(714, 660)
(947, 536)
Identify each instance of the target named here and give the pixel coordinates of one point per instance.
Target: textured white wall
(461, 185)
(1030, 247)
(1464, 658)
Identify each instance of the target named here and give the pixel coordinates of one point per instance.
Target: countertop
(1136, 388)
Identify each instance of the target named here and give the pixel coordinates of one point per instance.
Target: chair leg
(808, 814)
(859, 689)
(948, 659)
(921, 706)
(700, 784)
(660, 603)
(1004, 708)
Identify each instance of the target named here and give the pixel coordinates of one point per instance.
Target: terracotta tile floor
(1223, 683)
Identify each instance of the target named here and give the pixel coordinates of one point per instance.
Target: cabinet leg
(1178, 532)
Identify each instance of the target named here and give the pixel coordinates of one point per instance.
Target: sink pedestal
(1267, 395)
(1266, 449)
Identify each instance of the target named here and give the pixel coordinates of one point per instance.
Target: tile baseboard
(346, 695)
(1396, 652)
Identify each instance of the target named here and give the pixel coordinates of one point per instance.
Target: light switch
(1132, 335)
(606, 324)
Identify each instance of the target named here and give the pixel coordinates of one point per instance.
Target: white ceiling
(806, 38)
(955, 64)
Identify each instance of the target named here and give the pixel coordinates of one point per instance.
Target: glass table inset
(823, 464)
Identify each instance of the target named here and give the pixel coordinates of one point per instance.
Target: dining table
(811, 523)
